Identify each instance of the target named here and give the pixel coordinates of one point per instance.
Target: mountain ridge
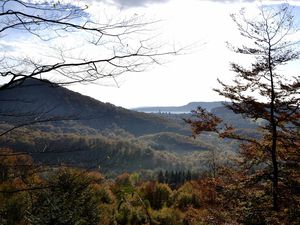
(34, 98)
(103, 135)
(180, 109)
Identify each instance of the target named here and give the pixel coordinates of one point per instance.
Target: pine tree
(261, 92)
(161, 177)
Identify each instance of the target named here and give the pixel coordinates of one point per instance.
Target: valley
(59, 127)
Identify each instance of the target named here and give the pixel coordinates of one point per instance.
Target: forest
(73, 160)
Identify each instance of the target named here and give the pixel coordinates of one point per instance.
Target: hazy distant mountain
(180, 109)
(34, 99)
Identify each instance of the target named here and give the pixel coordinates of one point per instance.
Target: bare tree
(100, 49)
(68, 45)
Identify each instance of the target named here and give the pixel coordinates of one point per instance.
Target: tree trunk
(274, 138)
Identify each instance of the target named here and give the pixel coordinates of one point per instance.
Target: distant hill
(37, 100)
(179, 109)
(235, 120)
(92, 134)
(177, 114)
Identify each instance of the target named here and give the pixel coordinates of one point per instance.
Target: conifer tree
(261, 92)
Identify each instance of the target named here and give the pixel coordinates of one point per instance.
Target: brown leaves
(205, 121)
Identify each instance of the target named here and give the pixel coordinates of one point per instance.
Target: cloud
(229, 1)
(141, 3)
(136, 3)
(292, 2)
(5, 47)
(241, 1)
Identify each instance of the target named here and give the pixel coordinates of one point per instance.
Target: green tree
(169, 216)
(161, 177)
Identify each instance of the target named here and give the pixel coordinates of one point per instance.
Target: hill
(179, 109)
(235, 120)
(34, 100)
(81, 131)
(174, 142)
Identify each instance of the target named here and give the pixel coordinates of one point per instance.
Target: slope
(34, 100)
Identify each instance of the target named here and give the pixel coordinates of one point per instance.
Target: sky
(204, 26)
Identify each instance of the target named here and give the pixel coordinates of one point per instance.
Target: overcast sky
(190, 77)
